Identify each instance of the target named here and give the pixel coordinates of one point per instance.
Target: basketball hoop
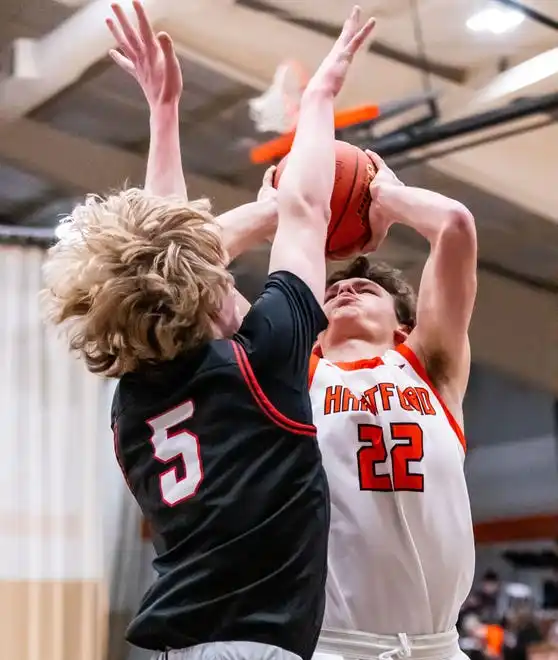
(277, 108)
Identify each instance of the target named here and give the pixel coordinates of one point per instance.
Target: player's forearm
(425, 211)
(164, 176)
(246, 226)
(310, 170)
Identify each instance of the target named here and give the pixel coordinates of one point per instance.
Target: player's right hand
(332, 72)
(150, 58)
(384, 174)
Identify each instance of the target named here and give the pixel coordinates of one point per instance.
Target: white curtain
(127, 557)
(50, 516)
(69, 531)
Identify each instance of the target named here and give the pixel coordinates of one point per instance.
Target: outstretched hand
(332, 72)
(150, 58)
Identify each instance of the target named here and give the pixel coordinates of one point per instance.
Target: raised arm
(248, 225)
(449, 283)
(151, 59)
(307, 183)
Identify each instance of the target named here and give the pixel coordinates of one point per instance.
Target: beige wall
(50, 620)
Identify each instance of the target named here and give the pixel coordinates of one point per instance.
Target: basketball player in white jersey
(388, 378)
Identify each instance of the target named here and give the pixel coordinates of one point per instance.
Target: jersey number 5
(181, 446)
(375, 452)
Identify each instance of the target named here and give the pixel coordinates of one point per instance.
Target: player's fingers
(173, 79)
(268, 176)
(350, 26)
(119, 38)
(128, 30)
(167, 47)
(122, 61)
(361, 36)
(376, 159)
(379, 233)
(145, 29)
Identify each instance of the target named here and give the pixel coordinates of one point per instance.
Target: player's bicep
(299, 245)
(447, 297)
(282, 326)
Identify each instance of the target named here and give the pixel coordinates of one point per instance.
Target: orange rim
(280, 146)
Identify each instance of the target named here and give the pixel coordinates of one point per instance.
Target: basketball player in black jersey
(211, 417)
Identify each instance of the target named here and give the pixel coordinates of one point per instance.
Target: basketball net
(277, 109)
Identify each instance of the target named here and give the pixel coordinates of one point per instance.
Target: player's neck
(352, 350)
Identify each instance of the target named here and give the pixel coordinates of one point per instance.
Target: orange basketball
(349, 229)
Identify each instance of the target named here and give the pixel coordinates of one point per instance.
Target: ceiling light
(496, 20)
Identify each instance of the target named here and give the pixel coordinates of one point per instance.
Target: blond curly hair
(136, 279)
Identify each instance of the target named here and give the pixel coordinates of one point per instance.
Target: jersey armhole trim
(313, 365)
(417, 365)
(265, 405)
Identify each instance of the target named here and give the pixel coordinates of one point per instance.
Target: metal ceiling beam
(83, 166)
(400, 142)
(304, 15)
(531, 13)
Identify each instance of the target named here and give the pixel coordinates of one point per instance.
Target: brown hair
(136, 279)
(390, 279)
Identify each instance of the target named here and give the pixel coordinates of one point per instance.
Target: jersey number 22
(175, 446)
(408, 448)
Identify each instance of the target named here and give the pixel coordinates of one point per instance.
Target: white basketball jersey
(401, 553)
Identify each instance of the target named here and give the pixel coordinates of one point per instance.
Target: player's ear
(319, 342)
(400, 335)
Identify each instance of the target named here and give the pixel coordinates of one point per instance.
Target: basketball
(349, 229)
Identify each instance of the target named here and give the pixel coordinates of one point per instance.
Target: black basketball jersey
(220, 452)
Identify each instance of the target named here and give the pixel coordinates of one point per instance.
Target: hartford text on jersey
(381, 397)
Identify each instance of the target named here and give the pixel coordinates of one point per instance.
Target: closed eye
(370, 290)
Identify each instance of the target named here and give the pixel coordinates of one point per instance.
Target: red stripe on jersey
(417, 365)
(263, 402)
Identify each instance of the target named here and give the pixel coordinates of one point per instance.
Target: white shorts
(229, 651)
(351, 645)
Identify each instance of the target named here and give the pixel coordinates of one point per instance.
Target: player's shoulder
(284, 278)
(156, 384)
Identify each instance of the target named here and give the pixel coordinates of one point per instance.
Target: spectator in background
(550, 591)
(488, 597)
(521, 632)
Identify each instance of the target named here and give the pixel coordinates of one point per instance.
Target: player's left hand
(267, 192)
(380, 220)
(150, 58)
